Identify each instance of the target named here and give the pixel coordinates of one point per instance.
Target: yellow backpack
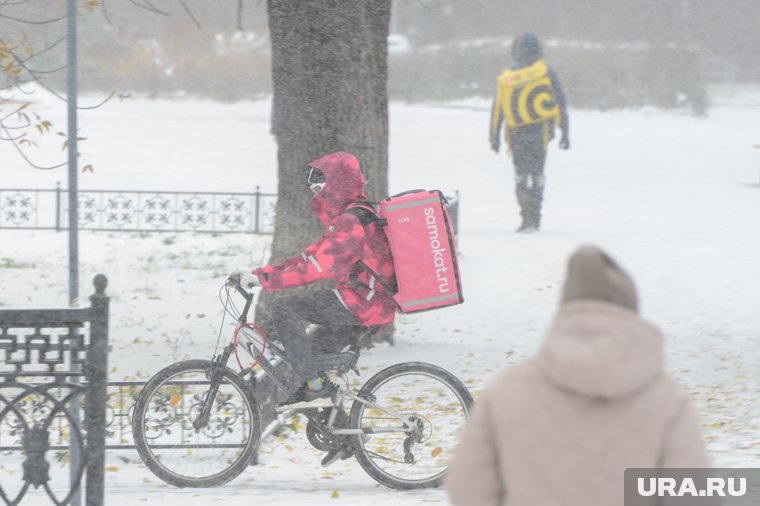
(527, 95)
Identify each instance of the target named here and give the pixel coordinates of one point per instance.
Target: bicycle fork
(214, 374)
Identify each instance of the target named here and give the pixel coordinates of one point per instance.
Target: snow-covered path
(674, 198)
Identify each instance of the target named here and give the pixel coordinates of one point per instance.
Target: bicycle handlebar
(234, 281)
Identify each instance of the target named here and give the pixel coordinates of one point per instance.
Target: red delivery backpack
(422, 243)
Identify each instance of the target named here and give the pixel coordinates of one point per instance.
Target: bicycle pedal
(335, 455)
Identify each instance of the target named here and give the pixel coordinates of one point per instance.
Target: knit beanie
(592, 274)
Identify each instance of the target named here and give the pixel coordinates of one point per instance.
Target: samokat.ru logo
(692, 487)
(439, 262)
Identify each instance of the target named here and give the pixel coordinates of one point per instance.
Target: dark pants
(336, 328)
(529, 157)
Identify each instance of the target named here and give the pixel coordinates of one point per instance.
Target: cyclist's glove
(247, 279)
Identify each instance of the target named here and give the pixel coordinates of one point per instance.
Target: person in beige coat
(560, 428)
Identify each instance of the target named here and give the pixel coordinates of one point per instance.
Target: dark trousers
(336, 328)
(529, 157)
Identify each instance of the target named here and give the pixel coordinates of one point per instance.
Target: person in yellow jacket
(530, 100)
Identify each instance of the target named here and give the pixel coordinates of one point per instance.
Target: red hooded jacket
(346, 242)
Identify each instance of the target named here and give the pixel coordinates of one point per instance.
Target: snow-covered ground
(674, 198)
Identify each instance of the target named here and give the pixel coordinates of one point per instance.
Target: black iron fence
(149, 211)
(139, 211)
(120, 404)
(53, 362)
(122, 397)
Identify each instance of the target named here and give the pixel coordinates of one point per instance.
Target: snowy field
(674, 198)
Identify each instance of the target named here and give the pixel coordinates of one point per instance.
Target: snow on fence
(140, 211)
(149, 211)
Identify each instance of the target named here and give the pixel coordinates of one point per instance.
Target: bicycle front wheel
(171, 442)
(425, 396)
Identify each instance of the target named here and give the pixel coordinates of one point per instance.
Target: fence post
(258, 211)
(97, 395)
(454, 214)
(58, 206)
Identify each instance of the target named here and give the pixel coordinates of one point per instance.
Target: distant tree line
(611, 53)
(725, 30)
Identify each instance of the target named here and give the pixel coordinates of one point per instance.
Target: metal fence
(122, 397)
(53, 362)
(149, 211)
(139, 211)
(120, 404)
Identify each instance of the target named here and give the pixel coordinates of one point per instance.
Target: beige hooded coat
(560, 429)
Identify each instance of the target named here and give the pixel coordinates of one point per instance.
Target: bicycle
(197, 423)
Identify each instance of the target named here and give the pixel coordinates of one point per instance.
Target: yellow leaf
(112, 469)
(436, 451)
(334, 494)
(176, 398)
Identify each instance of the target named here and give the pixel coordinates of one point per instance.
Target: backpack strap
(365, 211)
(366, 216)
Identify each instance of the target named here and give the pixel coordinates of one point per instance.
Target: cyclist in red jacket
(353, 252)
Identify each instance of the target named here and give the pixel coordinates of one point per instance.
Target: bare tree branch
(16, 111)
(41, 83)
(32, 22)
(149, 7)
(429, 4)
(31, 72)
(17, 127)
(11, 139)
(52, 71)
(100, 104)
(190, 13)
(7, 3)
(14, 142)
(17, 84)
(43, 51)
(105, 13)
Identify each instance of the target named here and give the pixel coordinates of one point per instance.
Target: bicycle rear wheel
(433, 400)
(185, 456)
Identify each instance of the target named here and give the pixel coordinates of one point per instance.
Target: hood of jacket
(526, 50)
(602, 350)
(344, 185)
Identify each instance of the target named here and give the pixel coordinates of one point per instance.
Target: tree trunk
(329, 74)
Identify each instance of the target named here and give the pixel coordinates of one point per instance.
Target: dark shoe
(305, 398)
(335, 455)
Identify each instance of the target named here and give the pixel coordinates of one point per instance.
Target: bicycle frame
(283, 384)
(408, 427)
